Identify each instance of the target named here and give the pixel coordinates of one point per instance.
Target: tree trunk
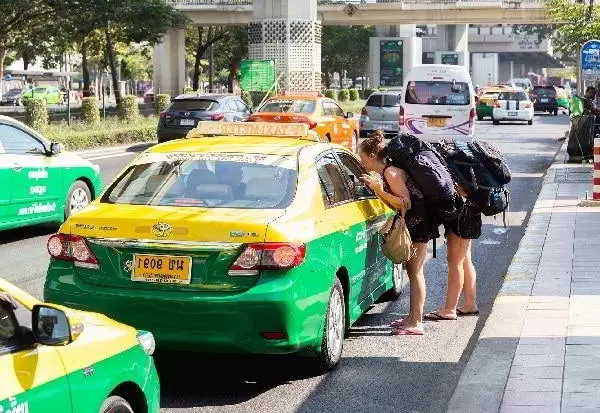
(327, 79)
(3, 53)
(85, 73)
(232, 79)
(200, 50)
(110, 54)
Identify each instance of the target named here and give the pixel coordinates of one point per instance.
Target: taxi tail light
(527, 105)
(304, 119)
(497, 105)
(268, 256)
(472, 116)
(217, 116)
(72, 248)
(364, 112)
(401, 119)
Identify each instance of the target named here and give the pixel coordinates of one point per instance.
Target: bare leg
(457, 251)
(416, 276)
(470, 284)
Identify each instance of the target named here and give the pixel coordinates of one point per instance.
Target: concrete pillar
(288, 32)
(169, 63)
(460, 42)
(512, 69)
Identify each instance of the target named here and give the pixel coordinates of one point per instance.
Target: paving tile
(531, 398)
(581, 386)
(541, 349)
(588, 372)
(588, 400)
(582, 340)
(536, 372)
(534, 385)
(582, 350)
(539, 360)
(528, 409)
(546, 314)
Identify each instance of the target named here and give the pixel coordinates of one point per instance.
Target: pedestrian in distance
(397, 189)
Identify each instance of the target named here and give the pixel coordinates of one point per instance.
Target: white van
(439, 102)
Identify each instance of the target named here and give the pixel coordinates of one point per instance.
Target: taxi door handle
(17, 168)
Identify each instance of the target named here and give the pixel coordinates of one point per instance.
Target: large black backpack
(420, 160)
(481, 170)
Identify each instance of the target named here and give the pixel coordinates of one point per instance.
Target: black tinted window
(17, 142)
(437, 93)
(354, 171)
(332, 181)
(513, 96)
(391, 100)
(9, 328)
(375, 100)
(202, 105)
(543, 91)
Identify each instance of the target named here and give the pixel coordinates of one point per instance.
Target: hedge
(89, 110)
(99, 137)
(129, 110)
(354, 94)
(331, 94)
(161, 102)
(344, 95)
(247, 98)
(36, 113)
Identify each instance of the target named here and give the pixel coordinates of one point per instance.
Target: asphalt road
(378, 372)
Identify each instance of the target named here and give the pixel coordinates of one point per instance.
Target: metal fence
(505, 3)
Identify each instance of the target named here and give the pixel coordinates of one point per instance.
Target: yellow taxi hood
(101, 220)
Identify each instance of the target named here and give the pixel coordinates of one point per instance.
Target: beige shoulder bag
(397, 244)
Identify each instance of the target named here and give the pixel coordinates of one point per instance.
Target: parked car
(184, 113)
(39, 182)
(381, 112)
(321, 114)
(52, 95)
(544, 99)
(11, 97)
(55, 359)
(513, 106)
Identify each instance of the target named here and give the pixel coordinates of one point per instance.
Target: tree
(199, 39)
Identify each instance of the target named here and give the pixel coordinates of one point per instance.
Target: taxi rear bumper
(199, 321)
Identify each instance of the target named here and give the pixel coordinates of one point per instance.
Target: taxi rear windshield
(207, 181)
(437, 93)
(513, 96)
(289, 106)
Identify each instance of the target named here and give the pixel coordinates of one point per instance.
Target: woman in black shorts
(399, 191)
(462, 277)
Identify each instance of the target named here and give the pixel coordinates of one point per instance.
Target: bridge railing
(504, 3)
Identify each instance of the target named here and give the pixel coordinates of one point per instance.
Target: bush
(367, 93)
(161, 102)
(89, 110)
(354, 94)
(36, 113)
(344, 95)
(331, 94)
(247, 98)
(187, 90)
(129, 110)
(382, 89)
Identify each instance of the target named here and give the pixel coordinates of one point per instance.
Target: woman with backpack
(399, 191)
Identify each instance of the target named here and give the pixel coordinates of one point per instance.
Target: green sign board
(391, 63)
(450, 59)
(257, 75)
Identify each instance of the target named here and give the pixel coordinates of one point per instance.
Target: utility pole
(588, 20)
(211, 68)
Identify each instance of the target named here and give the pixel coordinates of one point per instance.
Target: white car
(513, 106)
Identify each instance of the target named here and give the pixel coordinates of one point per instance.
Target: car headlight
(146, 340)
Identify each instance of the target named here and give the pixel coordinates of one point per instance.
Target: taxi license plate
(512, 113)
(163, 269)
(436, 122)
(379, 126)
(187, 122)
(544, 100)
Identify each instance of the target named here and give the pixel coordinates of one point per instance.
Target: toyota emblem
(162, 229)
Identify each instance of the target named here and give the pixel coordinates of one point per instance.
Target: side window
(12, 323)
(232, 106)
(336, 110)
(327, 108)
(241, 106)
(354, 171)
(332, 181)
(17, 142)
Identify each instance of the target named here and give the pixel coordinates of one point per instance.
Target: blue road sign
(590, 57)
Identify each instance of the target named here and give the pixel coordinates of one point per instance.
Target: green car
(52, 95)
(40, 182)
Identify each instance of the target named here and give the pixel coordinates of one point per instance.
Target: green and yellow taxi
(39, 181)
(55, 359)
(486, 100)
(563, 98)
(242, 238)
(50, 94)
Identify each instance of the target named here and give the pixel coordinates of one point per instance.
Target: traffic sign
(7, 77)
(590, 58)
(257, 75)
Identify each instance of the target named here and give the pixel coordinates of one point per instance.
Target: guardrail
(504, 3)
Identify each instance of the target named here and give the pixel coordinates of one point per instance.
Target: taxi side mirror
(349, 115)
(51, 326)
(56, 148)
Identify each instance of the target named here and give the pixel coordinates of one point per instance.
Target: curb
(482, 383)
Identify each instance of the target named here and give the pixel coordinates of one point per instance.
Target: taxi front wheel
(78, 197)
(335, 328)
(116, 404)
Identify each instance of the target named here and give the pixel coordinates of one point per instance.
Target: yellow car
(243, 238)
(53, 359)
(486, 100)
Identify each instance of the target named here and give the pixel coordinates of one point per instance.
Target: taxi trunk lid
(167, 248)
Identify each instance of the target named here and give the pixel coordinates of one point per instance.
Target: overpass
(362, 12)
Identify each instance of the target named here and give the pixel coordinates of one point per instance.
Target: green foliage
(345, 48)
(344, 95)
(161, 102)
(89, 110)
(353, 106)
(367, 93)
(188, 90)
(257, 97)
(247, 98)
(382, 89)
(354, 94)
(80, 136)
(36, 113)
(331, 94)
(128, 108)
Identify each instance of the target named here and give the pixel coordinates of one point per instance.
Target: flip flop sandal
(398, 323)
(407, 331)
(435, 316)
(466, 313)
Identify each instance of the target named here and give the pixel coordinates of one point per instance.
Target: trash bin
(581, 137)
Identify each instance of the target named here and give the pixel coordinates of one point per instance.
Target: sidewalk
(539, 350)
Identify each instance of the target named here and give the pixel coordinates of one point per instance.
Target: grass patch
(353, 106)
(80, 135)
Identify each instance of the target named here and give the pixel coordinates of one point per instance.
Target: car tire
(115, 404)
(354, 142)
(334, 330)
(530, 122)
(555, 112)
(396, 290)
(78, 197)
(495, 122)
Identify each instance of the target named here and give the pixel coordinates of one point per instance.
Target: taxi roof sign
(287, 130)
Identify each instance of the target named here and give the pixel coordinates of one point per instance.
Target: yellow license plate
(436, 122)
(164, 269)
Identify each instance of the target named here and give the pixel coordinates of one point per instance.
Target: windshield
(513, 96)
(201, 105)
(289, 106)
(437, 93)
(13, 92)
(544, 92)
(246, 181)
(388, 101)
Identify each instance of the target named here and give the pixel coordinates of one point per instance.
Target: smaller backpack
(482, 171)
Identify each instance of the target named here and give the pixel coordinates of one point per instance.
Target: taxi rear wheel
(78, 197)
(334, 330)
(116, 404)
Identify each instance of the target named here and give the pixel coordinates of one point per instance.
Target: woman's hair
(374, 145)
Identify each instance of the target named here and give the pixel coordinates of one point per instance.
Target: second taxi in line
(245, 237)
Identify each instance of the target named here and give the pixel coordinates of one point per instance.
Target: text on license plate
(436, 122)
(543, 100)
(187, 122)
(512, 113)
(165, 269)
(380, 126)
